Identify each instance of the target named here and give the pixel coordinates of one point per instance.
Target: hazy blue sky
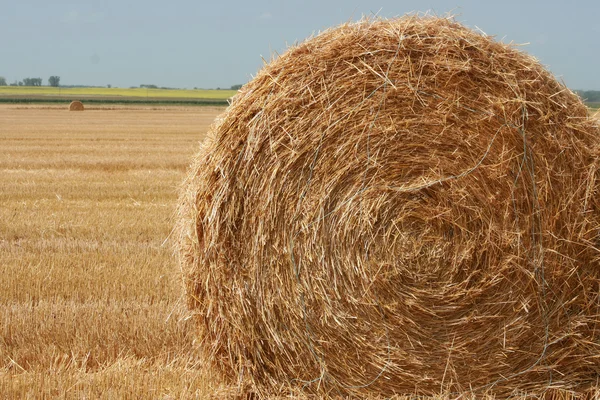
(220, 43)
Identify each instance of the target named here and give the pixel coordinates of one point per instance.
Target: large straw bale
(76, 105)
(398, 207)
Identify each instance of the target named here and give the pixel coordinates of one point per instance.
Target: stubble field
(90, 293)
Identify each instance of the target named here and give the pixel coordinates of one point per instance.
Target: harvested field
(89, 290)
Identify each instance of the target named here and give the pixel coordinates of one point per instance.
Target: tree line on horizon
(588, 96)
(52, 81)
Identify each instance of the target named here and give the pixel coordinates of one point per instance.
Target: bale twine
(397, 207)
(76, 106)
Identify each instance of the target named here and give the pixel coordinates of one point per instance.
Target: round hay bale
(397, 207)
(76, 106)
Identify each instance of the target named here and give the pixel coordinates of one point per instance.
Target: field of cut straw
(89, 289)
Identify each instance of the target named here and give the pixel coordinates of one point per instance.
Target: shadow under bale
(397, 207)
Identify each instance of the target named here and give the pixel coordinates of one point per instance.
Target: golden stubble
(89, 288)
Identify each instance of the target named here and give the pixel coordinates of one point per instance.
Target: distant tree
(236, 87)
(54, 81)
(109, 86)
(592, 96)
(149, 86)
(20, 83)
(32, 82)
(2, 81)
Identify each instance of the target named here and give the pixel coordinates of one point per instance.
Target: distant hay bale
(397, 207)
(76, 106)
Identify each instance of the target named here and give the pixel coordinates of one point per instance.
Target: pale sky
(209, 44)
